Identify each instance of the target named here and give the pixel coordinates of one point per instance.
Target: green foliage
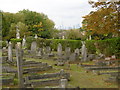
(29, 40)
(4, 44)
(109, 46)
(14, 40)
(90, 46)
(26, 20)
(53, 43)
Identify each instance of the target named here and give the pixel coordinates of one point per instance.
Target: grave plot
(50, 79)
(100, 69)
(32, 66)
(114, 78)
(7, 78)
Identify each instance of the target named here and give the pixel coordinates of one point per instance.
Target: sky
(64, 13)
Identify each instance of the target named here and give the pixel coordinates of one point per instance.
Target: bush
(4, 44)
(109, 46)
(14, 40)
(90, 46)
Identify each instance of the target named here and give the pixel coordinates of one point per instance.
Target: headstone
(62, 72)
(10, 52)
(59, 50)
(113, 57)
(63, 37)
(24, 42)
(19, 57)
(77, 51)
(84, 52)
(63, 83)
(91, 56)
(36, 36)
(72, 57)
(40, 52)
(48, 50)
(107, 58)
(67, 53)
(33, 47)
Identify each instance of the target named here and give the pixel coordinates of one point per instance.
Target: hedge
(108, 47)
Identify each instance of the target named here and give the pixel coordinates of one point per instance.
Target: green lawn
(79, 77)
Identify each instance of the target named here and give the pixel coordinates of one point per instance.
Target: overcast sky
(65, 13)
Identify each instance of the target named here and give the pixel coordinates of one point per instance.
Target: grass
(78, 76)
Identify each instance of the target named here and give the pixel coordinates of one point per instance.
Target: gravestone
(33, 47)
(48, 50)
(72, 57)
(59, 50)
(24, 42)
(77, 51)
(19, 57)
(63, 83)
(40, 52)
(36, 36)
(84, 52)
(10, 52)
(67, 53)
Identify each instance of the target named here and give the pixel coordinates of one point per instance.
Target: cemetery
(44, 67)
(36, 54)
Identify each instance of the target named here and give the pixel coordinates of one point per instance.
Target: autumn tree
(104, 20)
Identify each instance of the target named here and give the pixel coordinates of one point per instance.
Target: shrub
(90, 46)
(4, 44)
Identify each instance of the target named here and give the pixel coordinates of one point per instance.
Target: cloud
(63, 12)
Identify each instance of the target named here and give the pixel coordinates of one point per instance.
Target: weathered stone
(84, 52)
(63, 83)
(19, 57)
(67, 53)
(59, 50)
(33, 47)
(10, 58)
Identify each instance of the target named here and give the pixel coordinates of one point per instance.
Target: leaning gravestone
(59, 50)
(33, 47)
(10, 52)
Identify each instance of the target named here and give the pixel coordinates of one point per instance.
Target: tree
(30, 19)
(104, 20)
(23, 30)
(74, 34)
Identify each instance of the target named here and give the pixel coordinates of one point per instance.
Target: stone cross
(10, 52)
(17, 33)
(19, 57)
